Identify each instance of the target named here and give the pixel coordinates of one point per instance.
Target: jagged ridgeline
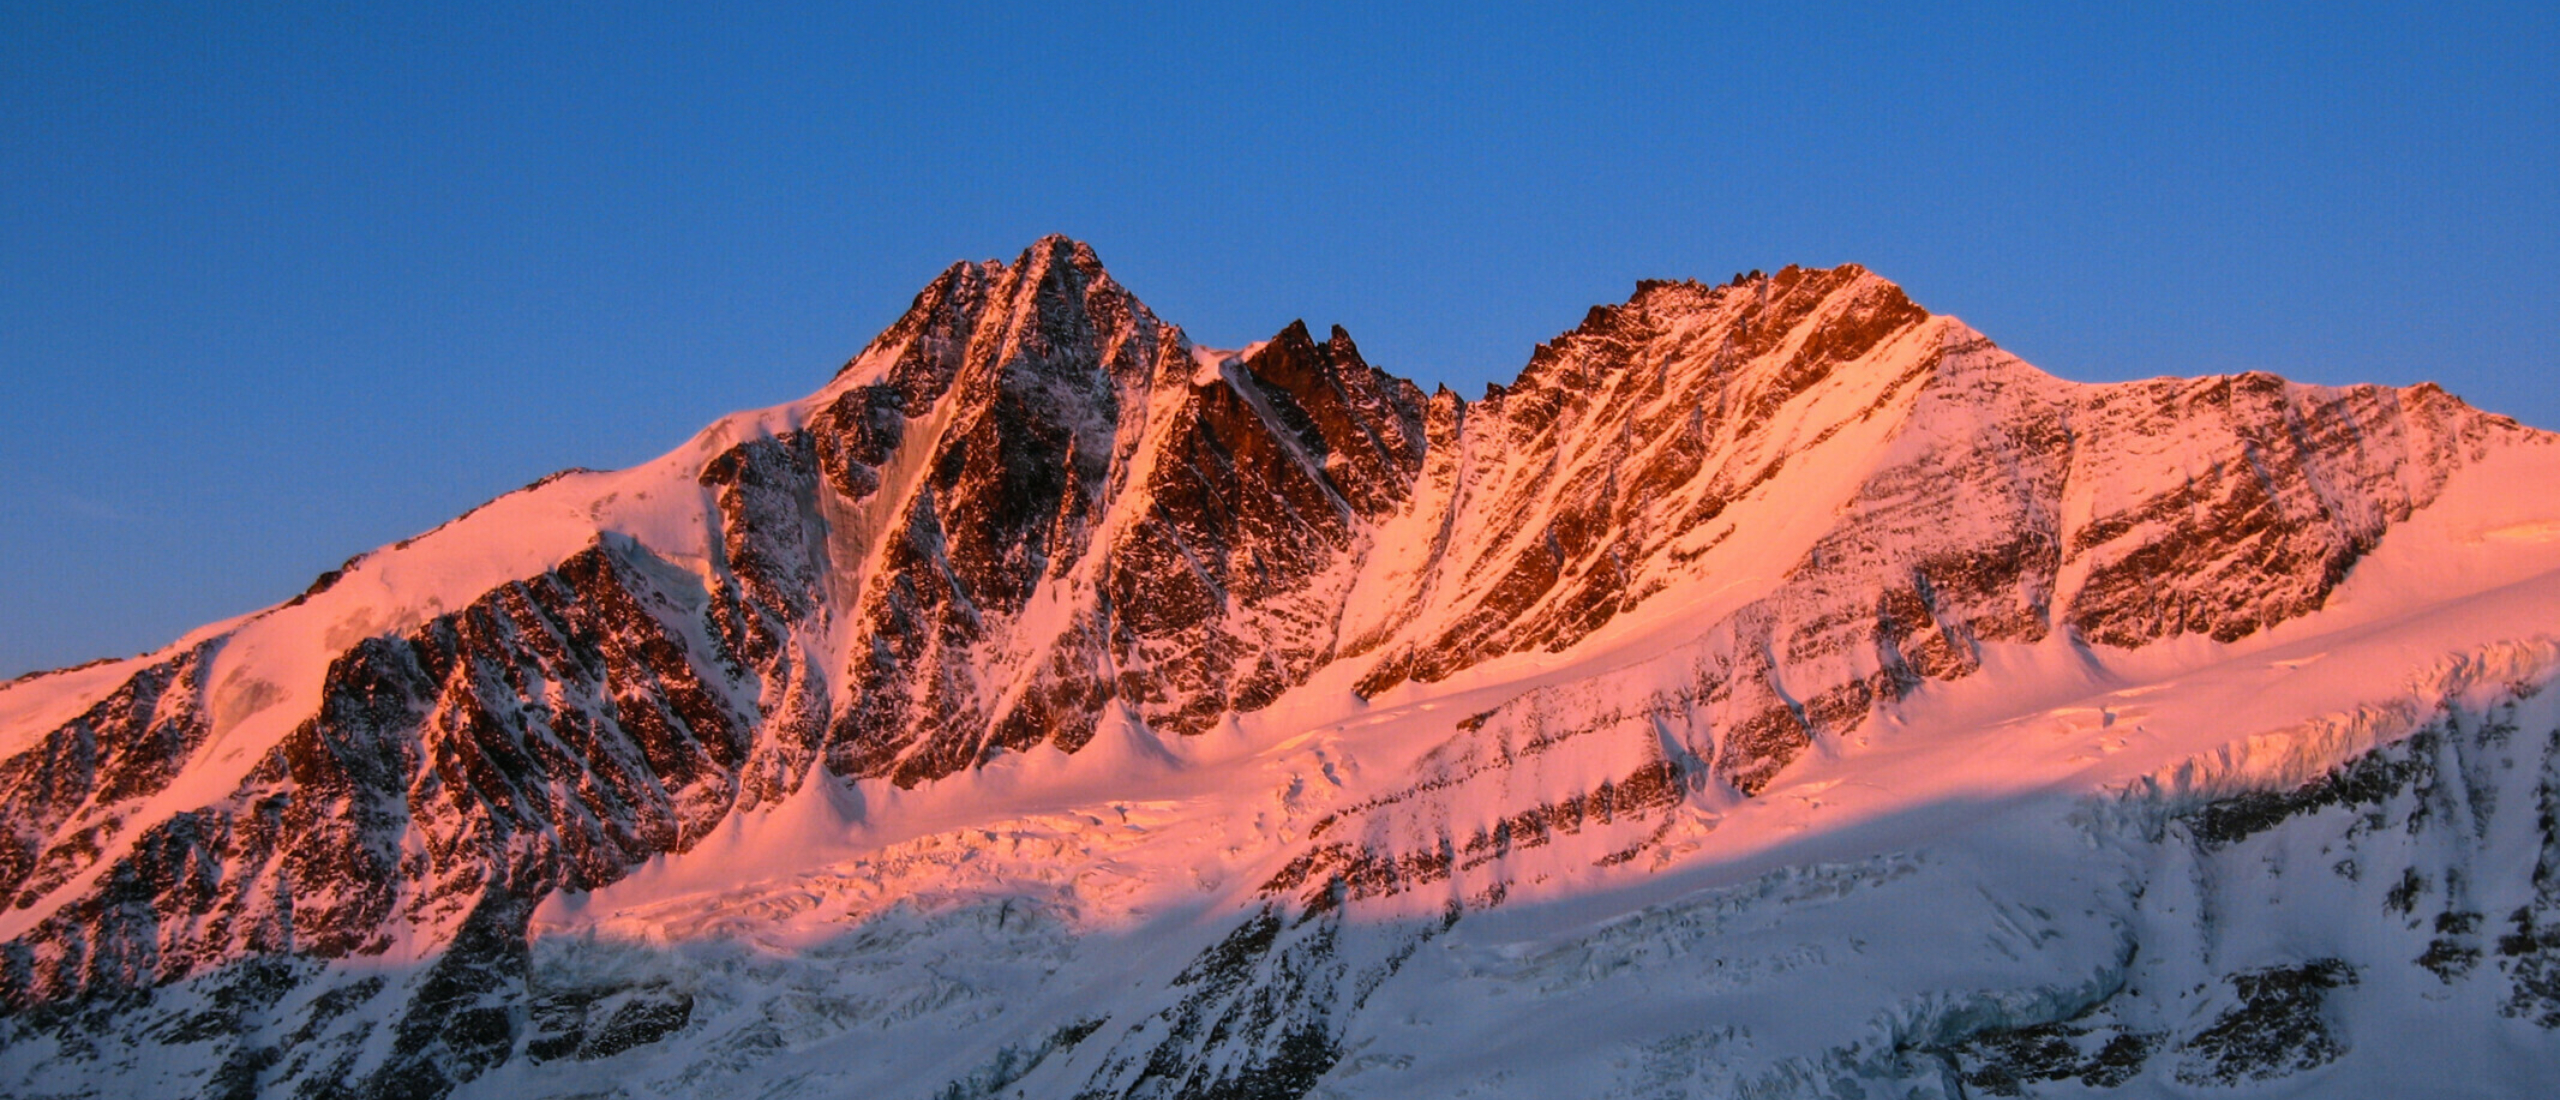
(1033, 538)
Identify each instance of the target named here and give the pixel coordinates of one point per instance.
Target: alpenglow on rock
(1778, 689)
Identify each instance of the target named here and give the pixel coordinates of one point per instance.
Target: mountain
(1778, 689)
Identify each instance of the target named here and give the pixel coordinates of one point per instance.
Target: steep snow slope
(1776, 687)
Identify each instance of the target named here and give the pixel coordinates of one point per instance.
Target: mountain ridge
(1769, 517)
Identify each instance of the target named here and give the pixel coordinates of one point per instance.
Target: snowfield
(2016, 867)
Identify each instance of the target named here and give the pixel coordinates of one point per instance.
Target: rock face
(1031, 517)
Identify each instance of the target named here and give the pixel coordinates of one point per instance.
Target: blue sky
(278, 286)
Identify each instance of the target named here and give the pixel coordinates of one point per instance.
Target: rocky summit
(1777, 690)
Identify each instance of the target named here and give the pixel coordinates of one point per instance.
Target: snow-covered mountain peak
(1037, 603)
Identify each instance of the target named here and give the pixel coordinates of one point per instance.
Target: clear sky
(278, 286)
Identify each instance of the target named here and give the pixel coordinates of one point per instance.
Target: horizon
(289, 286)
(1487, 392)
